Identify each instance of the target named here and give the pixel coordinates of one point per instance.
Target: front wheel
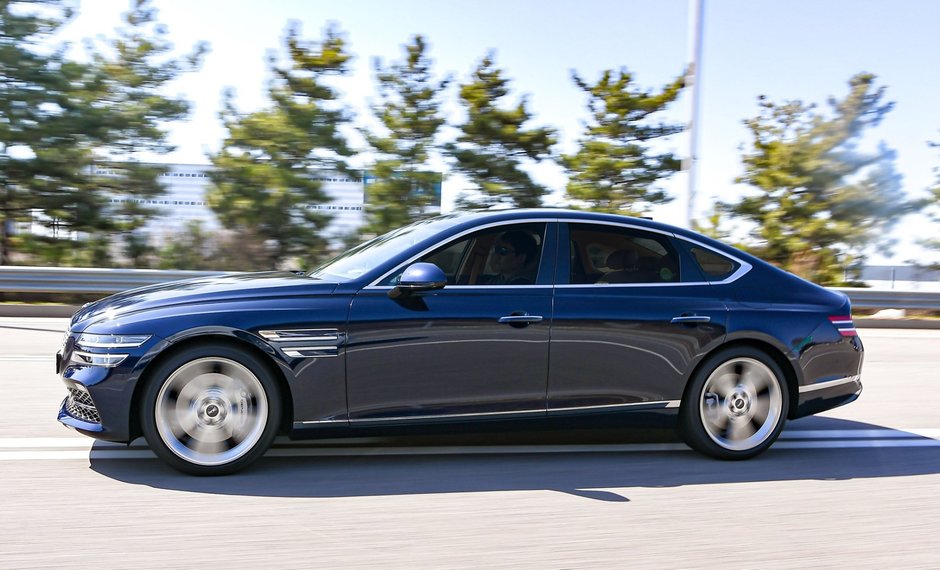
(210, 410)
(735, 405)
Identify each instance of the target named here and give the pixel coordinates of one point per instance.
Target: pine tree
(615, 169)
(820, 201)
(932, 207)
(410, 111)
(269, 168)
(494, 144)
(73, 132)
(33, 86)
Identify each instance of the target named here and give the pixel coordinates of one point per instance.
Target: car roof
(466, 218)
(477, 216)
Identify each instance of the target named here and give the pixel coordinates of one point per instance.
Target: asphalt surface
(855, 487)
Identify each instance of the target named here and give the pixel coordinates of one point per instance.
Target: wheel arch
(230, 339)
(772, 351)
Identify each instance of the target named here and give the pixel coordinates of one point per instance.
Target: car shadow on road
(598, 475)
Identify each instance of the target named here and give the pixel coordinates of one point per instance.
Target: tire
(735, 405)
(210, 410)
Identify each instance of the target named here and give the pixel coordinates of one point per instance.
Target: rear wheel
(210, 410)
(736, 404)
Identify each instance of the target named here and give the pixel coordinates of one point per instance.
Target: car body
(604, 318)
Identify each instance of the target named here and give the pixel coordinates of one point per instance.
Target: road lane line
(48, 443)
(898, 334)
(53, 442)
(860, 433)
(856, 443)
(139, 453)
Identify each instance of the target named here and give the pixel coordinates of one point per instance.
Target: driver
(512, 256)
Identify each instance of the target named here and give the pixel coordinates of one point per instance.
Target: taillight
(844, 325)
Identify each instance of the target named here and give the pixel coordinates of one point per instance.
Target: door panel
(618, 345)
(446, 353)
(629, 320)
(470, 348)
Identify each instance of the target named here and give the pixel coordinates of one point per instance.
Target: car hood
(241, 286)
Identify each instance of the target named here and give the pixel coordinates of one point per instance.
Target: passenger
(512, 259)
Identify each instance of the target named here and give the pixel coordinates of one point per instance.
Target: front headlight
(104, 341)
(95, 359)
(86, 340)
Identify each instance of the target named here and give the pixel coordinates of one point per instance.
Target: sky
(798, 49)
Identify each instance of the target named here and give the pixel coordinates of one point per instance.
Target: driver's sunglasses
(502, 251)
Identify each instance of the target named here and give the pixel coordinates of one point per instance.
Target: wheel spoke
(208, 447)
(723, 384)
(761, 408)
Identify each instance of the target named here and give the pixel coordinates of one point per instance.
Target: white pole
(693, 81)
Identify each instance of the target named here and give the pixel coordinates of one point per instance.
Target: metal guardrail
(891, 299)
(63, 280)
(16, 279)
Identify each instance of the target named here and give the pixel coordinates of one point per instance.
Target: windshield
(367, 256)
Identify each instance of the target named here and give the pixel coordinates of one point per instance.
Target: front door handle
(520, 319)
(690, 319)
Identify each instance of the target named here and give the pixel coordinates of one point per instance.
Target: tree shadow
(588, 474)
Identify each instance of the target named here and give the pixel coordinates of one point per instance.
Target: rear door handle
(690, 319)
(520, 319)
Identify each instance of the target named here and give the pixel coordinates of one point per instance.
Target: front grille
(80, 405)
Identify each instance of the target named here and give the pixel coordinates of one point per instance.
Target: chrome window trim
(828, 384)
(630, 285)
(627, 225)
(374, 284)
(743, 266)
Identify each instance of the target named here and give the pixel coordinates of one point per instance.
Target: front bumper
(822, 396)
(100, 403)
(97, 410)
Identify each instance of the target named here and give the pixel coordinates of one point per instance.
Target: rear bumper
(822, 396)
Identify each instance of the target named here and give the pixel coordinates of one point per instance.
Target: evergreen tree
(125, 90)
(615, 170)
(820, 201)
(269, 168)
(410, 112)
(33, 89)
(494, 144)
(932, 205)
(73, 132)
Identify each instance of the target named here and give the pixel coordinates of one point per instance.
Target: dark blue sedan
(511, 318)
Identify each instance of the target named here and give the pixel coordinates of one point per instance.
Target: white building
(185, 200)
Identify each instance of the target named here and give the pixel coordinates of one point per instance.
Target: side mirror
(419, 277)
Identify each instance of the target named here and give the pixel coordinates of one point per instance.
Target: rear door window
(605, 255)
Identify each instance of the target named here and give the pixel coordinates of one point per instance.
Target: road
(856, 487)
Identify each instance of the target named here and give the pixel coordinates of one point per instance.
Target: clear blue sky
(799, 49)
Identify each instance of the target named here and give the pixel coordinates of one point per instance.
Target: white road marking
(860, 433)
(71, 448)
(918, 334)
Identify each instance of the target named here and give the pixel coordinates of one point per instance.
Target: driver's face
(505, 259)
